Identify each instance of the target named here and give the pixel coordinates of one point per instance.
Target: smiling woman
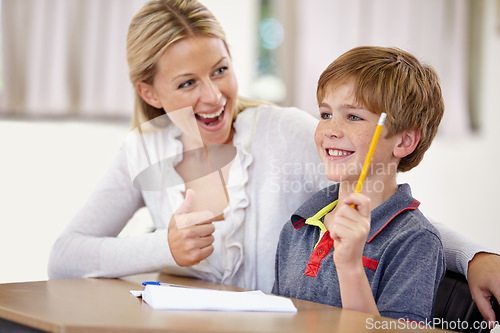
(196, 72)
(182, 64)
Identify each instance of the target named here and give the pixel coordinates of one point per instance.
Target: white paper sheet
(175, 298)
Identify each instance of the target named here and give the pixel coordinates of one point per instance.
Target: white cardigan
(277, 168)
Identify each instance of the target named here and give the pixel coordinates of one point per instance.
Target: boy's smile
(333, 152)
(343, 137)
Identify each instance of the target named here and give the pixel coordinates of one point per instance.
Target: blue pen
(156, 283)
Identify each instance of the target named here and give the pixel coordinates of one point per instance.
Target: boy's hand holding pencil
(349, 228)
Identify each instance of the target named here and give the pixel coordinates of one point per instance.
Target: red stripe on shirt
(320, 252)
(370, 263)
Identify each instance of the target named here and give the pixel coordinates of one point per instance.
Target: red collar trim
(413, 206)
(299, 223)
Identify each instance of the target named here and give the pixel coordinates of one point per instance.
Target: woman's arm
(480, 265)
(89, 246)
(458, 249)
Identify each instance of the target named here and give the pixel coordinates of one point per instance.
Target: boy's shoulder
(401, 214)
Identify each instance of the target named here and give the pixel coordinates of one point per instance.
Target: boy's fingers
(342, 222)
(361, 203)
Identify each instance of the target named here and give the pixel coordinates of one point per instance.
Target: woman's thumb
(184, 215)
(188, 204)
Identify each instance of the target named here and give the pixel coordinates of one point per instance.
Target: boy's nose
(333, 129)
(336, 135)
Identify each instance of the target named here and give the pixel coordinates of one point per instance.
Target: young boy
(372, 251)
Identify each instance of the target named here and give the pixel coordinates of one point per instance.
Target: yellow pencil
(368, 159)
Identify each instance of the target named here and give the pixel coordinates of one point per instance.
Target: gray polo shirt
(403, 257)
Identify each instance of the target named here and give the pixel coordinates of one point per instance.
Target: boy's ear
(146, 91)
(409, 140)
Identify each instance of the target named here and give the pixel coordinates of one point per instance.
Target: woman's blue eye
(186, 84)
(221, 70)
(325, 115)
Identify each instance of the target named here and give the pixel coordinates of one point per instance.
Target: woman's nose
(210, 93)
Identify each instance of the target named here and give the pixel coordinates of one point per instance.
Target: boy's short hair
(393, 81)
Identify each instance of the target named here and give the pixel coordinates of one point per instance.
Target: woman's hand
(190, 233)
(349, 229)
(483, 275)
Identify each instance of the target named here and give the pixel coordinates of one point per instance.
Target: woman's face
(197, 72)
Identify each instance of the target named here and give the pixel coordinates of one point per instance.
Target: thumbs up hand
(190, 233)
(184, 215)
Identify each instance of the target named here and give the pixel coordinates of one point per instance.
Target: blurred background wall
(66, 102)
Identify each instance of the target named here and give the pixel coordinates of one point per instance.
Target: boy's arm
(355, 291)
(349, 229)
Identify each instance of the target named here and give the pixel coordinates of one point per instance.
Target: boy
(382, 256)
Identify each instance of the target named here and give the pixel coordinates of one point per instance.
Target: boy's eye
(186, 84)
(325, 115)
(354, 117)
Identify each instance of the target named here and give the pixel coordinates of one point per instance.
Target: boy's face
(343, 137)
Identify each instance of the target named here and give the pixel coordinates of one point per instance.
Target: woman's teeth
(210, 119)
(337, 152)
(210, 115)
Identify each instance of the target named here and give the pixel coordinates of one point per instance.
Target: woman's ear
(409, 140)
(146, 91)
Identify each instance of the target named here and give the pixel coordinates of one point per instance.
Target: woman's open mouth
(211, 120)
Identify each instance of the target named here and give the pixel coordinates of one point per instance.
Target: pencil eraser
(381, 120)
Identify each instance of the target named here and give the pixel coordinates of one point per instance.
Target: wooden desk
(105, 305)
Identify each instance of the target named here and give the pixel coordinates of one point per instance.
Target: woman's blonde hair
(393, 81)
(156, 26)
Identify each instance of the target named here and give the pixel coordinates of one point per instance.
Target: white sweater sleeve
(89, 246)
(458, 249)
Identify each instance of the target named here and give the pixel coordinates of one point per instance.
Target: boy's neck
(378, 190)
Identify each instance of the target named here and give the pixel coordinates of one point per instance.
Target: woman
(178, 58)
